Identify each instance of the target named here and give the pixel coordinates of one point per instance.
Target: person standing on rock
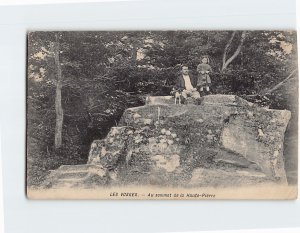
(204, 69)
(186, 84)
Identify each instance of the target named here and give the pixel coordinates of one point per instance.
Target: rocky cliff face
(223, 141)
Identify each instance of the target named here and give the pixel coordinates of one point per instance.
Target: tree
(226, 61)
(58, 104)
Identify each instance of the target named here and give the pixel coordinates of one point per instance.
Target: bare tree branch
(227, 48)
(269, 91)
(237, 51)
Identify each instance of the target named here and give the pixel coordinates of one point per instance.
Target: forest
(80, 82)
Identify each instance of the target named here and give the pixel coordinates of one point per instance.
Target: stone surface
(224, 141)
(259, 139)
(160, 100)
(77, 176)
(231, 177)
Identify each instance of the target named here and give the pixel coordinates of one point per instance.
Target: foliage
(107, 72)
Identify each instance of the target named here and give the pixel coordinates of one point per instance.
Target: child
(203, 70)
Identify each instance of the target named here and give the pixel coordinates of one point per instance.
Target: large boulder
(220, 141)
(195, 145)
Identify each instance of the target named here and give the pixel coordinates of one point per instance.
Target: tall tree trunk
(236, 53)
(58, 103)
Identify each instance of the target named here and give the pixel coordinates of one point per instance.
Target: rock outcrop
(223, 141)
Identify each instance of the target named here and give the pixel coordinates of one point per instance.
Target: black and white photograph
(185, 114)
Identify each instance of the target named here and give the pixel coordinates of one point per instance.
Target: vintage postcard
(162, 115)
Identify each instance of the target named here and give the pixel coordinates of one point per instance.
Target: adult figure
(186, 84)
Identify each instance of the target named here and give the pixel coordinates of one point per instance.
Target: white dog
(177, 95)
